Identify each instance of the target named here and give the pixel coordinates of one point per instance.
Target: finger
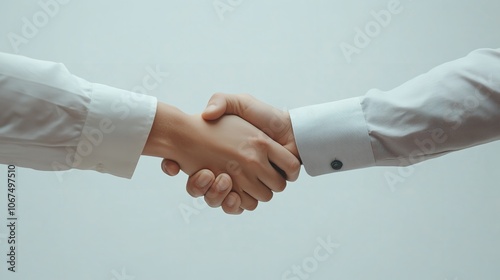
(232, 203)
(247, 201)
(253, 187)
(260, 191)
(268, 173)
(272, 178)
(219, 190)
(216, 107)
(273, 122)
(284, 160)
(261, 115)
(170, 167)
(199, 183)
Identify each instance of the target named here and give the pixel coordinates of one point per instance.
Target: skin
(230, 148)
(218, 190)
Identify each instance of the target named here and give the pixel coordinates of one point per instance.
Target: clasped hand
(244, 151)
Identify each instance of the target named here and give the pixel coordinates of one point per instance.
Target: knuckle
(249, 157)
(260, 143)
(217, 95)
(292, 167)
(193, 191)
(211, 202)
(267, 197)
(244, 104)
(231, 211)
(251, 205)
(253, 160)
(281, 186)
(233, 168)
(245, 96)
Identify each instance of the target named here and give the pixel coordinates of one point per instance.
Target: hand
(273, 122)
(227, 145)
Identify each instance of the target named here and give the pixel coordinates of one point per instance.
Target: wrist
(289, 137)
(164, 135)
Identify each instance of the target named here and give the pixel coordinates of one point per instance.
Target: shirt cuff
(116, 130)
(332, 137)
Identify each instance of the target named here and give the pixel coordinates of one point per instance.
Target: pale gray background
(442, 222)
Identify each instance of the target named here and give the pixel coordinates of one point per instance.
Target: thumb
(216, 107)
(170, 167)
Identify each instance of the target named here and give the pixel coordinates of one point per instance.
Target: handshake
(237, 152)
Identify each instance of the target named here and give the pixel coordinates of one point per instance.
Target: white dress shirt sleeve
(53, 120)
(454, 106)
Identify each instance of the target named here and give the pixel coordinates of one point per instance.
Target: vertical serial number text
(11, 218)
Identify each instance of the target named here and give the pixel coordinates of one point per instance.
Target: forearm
(164, 136)
(52, 120)
(452, 107)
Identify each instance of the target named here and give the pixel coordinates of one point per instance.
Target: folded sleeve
(454, 106)
(53, 120)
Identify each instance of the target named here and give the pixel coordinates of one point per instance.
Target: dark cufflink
(336, 164)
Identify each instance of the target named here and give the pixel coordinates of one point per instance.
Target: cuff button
(337, 164)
